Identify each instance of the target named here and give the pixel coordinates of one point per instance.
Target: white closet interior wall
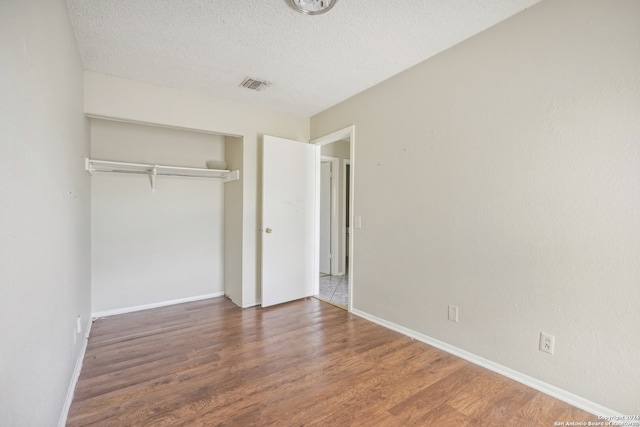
(151, 247)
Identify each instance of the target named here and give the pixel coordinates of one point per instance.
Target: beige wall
(154, 246)
(503, 176)
(233, 222)
(44, 211)
(121, 99)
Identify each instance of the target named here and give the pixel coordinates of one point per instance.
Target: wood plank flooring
(305, 363)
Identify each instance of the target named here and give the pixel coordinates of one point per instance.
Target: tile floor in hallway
(334, 289)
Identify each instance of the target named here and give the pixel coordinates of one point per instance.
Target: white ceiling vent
(254, 84)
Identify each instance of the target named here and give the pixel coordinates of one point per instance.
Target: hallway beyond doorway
(334, 289)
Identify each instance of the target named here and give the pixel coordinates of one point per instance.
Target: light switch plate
(453, 313)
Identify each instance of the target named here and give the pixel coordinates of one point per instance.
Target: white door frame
(346, 133)
(335, 182)
(343, 214)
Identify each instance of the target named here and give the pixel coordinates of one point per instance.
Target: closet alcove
(165, 228)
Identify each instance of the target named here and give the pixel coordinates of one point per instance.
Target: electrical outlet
(453, 313)
(547, 343)
(78, 325)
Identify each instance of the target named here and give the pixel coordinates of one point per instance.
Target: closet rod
(107, 166)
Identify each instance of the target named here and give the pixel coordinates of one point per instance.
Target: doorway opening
(328, 213)
(334, 198)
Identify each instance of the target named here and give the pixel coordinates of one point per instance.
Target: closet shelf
(154, 171)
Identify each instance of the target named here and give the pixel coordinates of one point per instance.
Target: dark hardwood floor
(305, 363)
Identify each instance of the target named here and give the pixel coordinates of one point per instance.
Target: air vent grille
(254, 84)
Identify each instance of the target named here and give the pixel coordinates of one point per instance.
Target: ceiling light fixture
(312, 7)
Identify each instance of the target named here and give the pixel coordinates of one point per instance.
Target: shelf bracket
(232, 176)
(153, 174)
(87, 166)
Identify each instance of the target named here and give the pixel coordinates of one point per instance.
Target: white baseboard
(74, 378)
(252, 304)
(123, 310)
(551, 390)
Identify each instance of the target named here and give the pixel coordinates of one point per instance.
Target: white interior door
(288, 220)
(325, 217)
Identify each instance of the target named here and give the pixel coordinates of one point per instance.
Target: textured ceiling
(312, 62)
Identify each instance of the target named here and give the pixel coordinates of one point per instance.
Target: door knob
(267, 230)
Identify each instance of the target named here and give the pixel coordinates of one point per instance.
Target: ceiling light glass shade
(312, 7)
